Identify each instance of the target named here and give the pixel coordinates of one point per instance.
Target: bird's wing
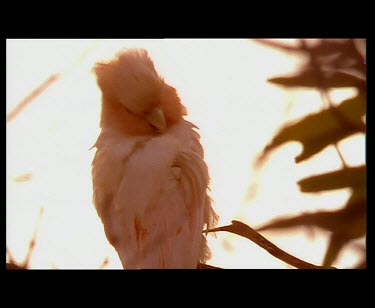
(108, 170)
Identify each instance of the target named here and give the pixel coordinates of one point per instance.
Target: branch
(206, 266)
(13, 266)
(26, 263)
(244, 230)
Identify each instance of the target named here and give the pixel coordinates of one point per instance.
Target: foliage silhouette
(330, 64)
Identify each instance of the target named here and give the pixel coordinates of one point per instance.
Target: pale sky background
(223, 85)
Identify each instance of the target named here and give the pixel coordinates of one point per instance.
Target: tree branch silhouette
(244, 230)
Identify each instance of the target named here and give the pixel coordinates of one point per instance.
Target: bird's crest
(130, 78)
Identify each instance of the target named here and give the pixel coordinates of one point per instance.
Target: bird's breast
(157, 188)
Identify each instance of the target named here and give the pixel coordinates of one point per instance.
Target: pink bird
(150, 180)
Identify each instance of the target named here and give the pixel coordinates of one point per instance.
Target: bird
(150, 179)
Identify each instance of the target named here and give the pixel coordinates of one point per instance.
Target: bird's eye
(141, 114)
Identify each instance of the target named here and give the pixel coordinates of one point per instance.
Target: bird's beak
(156, 118)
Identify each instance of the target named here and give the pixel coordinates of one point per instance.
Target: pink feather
(150, 179)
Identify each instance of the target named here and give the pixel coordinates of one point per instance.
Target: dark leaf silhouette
(349, 220)
(319, 130)
(278, 45)
(321, 48)
(345, 224)
(331, 63)
(333, 54)
(347, 177)
(307, 78)
(340, 54)
(336, 243)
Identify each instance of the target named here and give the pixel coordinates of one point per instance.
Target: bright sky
(223, 85)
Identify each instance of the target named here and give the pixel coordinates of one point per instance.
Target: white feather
(150, 192)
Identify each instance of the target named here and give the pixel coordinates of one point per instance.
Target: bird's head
(135, 98)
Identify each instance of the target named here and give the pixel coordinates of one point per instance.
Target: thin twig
(25, 264)
(244, 230)
(33, 240)
(104, 263)
(12, 264)
(48, 83)
(325, 98)
(10, 256)
(32, 96)
(324, 93)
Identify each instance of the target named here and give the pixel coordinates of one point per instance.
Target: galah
(150, 179)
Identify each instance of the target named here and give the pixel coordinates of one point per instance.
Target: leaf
(345, 224)
(323, 48)
(331, 64)
(352, 228)
(322, 219)
(340, 54)
(349, 221)
(278, 45)
(347, 177)
(330, 46)
(328, 79)
(319, 130)
(354, 108)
